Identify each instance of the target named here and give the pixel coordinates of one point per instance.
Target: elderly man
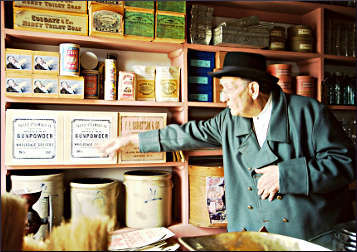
(287, 162)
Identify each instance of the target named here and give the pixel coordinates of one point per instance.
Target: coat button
(249, 168)
(250, 188)
(279, 197)
(285, 220)
(250, 207)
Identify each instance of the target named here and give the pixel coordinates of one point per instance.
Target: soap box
(45, 62)
(170, 27)
(45, 85)
(69, 6)
(18, 60)
(71, 87)
(84, 131)
(33, 137)
(133, 122)
(18, 84)
(139, 24)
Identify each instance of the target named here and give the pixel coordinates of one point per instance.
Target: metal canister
(91, 84)
(110, 80)
(300, 38)
(69, 59)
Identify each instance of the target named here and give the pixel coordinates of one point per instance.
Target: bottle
(345, 89)
(331, 90)
(325, 83)
(338, 89)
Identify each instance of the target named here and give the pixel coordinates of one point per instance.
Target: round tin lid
(89, 60)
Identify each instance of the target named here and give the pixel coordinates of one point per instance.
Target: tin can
(69, 59)
(91, 84)
(279, 69)
(305, 85)
(110, 89)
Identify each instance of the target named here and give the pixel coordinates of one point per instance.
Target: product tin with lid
(91, 84)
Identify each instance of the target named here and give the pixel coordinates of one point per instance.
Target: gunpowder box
(33, 137)
(45, 62)
(18, 84)
(45, 85)
(170, 27)
(69, 6)
(172, 6)
(140, 4)
(84, 131)
(71, 87)
(50, 21)
(18, 60)
(139, 24)
(106, 20)
(133, 122)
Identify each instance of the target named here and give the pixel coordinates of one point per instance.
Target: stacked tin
(277, 38)
(201, 24)
(283, 72)
(300, 38)
(305, 85)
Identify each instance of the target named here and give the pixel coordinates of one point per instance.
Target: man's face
(235, 93)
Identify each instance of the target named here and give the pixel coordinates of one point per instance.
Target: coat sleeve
(191, 135)
(332, 165)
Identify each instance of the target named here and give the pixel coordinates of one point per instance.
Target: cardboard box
(18, 84)
(50, 21)
(140, 4)
(106, 20)
(84, 130)
(17, 60)
(71, 87)
(132, 122)
(139, 24)
(45, 85)
(69, 6)
(45, 62)
(172, 6)
(170, 27)
(33, 137)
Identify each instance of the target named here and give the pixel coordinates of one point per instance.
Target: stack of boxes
(68, 17)
(200, 84)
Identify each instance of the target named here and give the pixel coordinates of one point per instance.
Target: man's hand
(118, 143)
(268, 183)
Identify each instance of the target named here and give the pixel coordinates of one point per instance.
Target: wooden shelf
(342, 107)
(271, 54)
(48, 38)
(91, 166)
(46, 100)
(198, 153)
(207, 104)
(340, 58)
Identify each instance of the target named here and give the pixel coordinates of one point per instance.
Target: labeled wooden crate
(106, 20)
(170, 27)
(83, 131)
(45, 85)
(133, 122)
(139, 24)
(71, 87)
(207, 196)
(18, 84)
(18, 60)
(45, 62)
(68, 6)
(33, 137)
(50, 21)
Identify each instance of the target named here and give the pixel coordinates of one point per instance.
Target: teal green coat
(316, 163)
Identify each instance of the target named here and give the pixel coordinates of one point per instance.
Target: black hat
(245, 65)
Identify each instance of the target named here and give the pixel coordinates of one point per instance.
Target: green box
(174, 6)
(141, 4)
(168, 26)
(139, 23)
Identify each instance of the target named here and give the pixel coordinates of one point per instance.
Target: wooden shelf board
(124, 44)
(90, 166)
(342, 107)
(198, 153)
(271, 54)
(207, 104)
(46, 100)
(340, 58)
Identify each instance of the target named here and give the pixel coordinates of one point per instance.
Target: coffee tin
(69, 59)
(91, 84)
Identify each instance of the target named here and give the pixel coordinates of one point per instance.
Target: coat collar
(279, 118)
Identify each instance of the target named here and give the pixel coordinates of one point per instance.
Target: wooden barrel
(207, 197)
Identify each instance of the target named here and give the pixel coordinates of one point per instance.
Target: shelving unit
(311, 14)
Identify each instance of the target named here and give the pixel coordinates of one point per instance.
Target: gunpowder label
(139, 23)
(34, 138)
